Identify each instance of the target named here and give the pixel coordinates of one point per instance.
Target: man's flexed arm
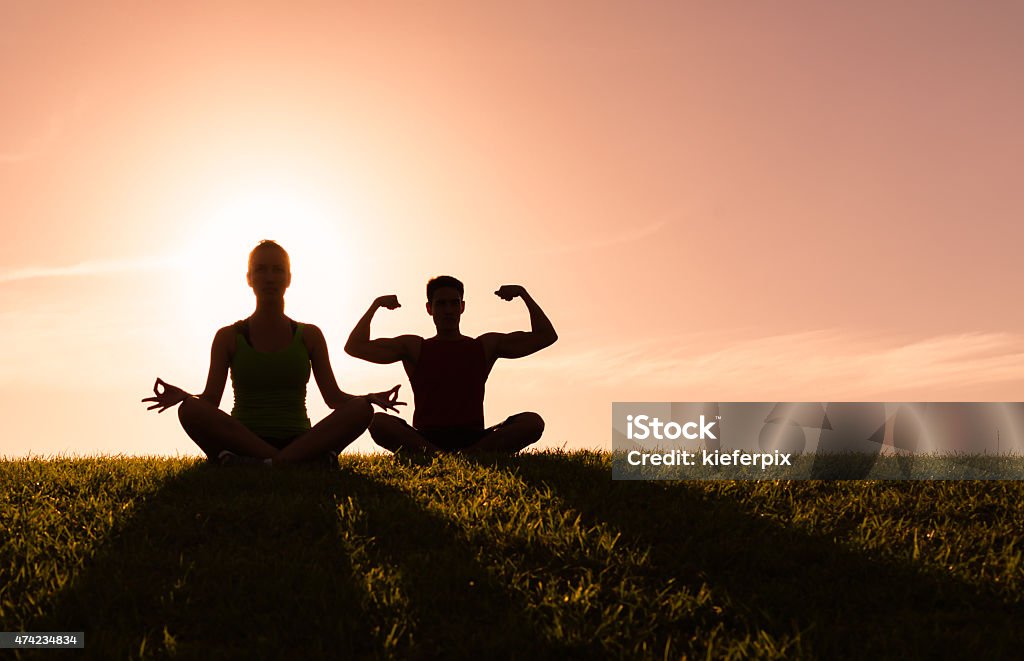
(382, 350)
(516, 345)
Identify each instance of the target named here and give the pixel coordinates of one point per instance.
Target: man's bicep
(385, 350)
(517, 344)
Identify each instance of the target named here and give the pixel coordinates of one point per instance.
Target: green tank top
(270, 387)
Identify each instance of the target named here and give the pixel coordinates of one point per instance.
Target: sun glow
(316, 234)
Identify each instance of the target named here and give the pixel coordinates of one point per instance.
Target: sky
(730, 201)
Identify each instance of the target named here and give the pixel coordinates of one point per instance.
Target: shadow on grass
(780, 580)
(222, 564)
(250, 562)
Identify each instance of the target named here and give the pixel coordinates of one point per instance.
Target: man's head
(270, 269)
(444, 301)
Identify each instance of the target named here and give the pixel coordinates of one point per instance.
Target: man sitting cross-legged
(448, 372)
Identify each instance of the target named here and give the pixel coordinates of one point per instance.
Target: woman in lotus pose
(269, 357)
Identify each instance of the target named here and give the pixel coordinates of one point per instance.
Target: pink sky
(712, 201)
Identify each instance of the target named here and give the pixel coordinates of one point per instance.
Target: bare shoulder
(409, 345)
(225, 336)
(491, 340)
(224, 342)
(313, 338)
(311, 330)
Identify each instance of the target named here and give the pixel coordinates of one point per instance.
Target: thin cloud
(89, 268)
(811, 365)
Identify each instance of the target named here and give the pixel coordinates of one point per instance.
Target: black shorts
(281, 443)
(458, 438)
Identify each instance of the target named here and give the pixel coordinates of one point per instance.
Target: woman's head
(270, 244)
(270, 269)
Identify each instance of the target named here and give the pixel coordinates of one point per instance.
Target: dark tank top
(270, 386)
(448, 384)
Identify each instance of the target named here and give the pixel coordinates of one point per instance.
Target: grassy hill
(539, 555)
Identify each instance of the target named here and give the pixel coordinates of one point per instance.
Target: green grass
(539, 555)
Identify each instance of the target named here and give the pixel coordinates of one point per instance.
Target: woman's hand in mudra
(167, 397)
(386, 400)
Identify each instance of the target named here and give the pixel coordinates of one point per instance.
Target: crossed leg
(335, 432)
(392, 433)
(214, 430)
(514, 434)
(517, 432)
